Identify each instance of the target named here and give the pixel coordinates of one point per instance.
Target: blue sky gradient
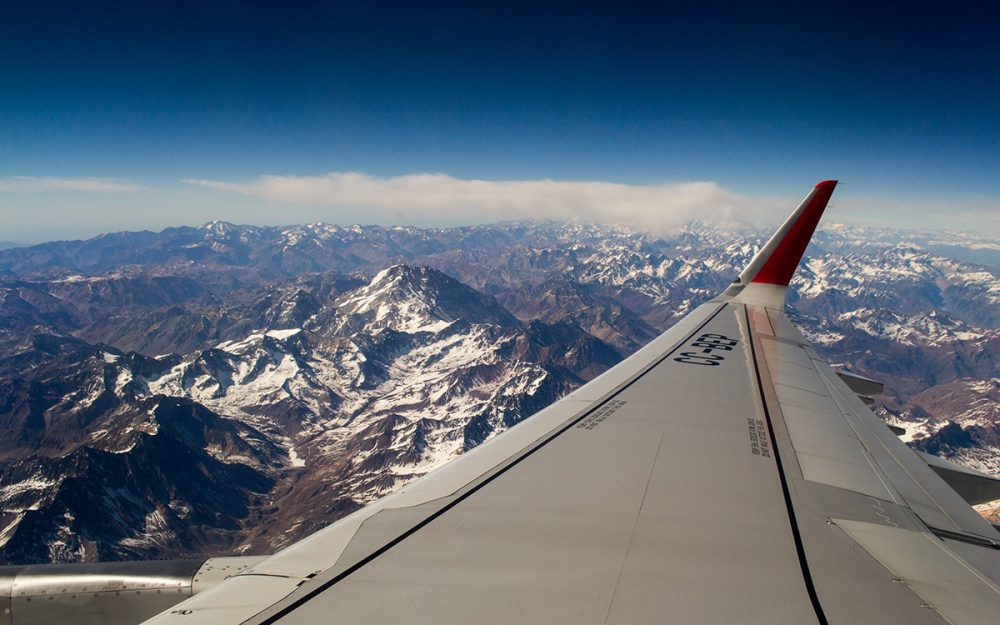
(898, 101)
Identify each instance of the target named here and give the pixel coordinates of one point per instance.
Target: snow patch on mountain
(931, 328)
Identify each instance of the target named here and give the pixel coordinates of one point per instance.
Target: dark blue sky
(762, 98)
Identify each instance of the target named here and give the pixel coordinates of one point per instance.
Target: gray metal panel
(827, 448)
(851, 586)
(948, 584)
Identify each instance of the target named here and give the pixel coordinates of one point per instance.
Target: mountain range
(230, 389)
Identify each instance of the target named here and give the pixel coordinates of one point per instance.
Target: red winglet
(782, 263)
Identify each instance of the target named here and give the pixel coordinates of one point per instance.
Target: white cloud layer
(37, 209)
(30, 184)
(421, 198)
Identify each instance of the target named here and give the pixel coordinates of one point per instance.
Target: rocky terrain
(229, 389)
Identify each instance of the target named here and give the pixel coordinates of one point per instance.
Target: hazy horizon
(826, 224)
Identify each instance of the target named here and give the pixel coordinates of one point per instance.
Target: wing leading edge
(723, 473)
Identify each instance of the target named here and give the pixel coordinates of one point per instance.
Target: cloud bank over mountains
(40, 209)
(440, 197)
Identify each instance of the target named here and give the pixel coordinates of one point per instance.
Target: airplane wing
(722, 474)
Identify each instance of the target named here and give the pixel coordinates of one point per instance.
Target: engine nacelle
(107, 593)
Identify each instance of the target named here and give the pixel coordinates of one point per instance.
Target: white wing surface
(722, 474)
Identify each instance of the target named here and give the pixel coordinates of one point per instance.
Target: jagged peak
(418, 299)
(225, 230)
(219, 226)
(257, 338)
(415, 281)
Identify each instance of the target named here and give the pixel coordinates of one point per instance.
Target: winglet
(776, 261)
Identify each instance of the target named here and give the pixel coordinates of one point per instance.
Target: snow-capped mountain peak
(416, 299)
